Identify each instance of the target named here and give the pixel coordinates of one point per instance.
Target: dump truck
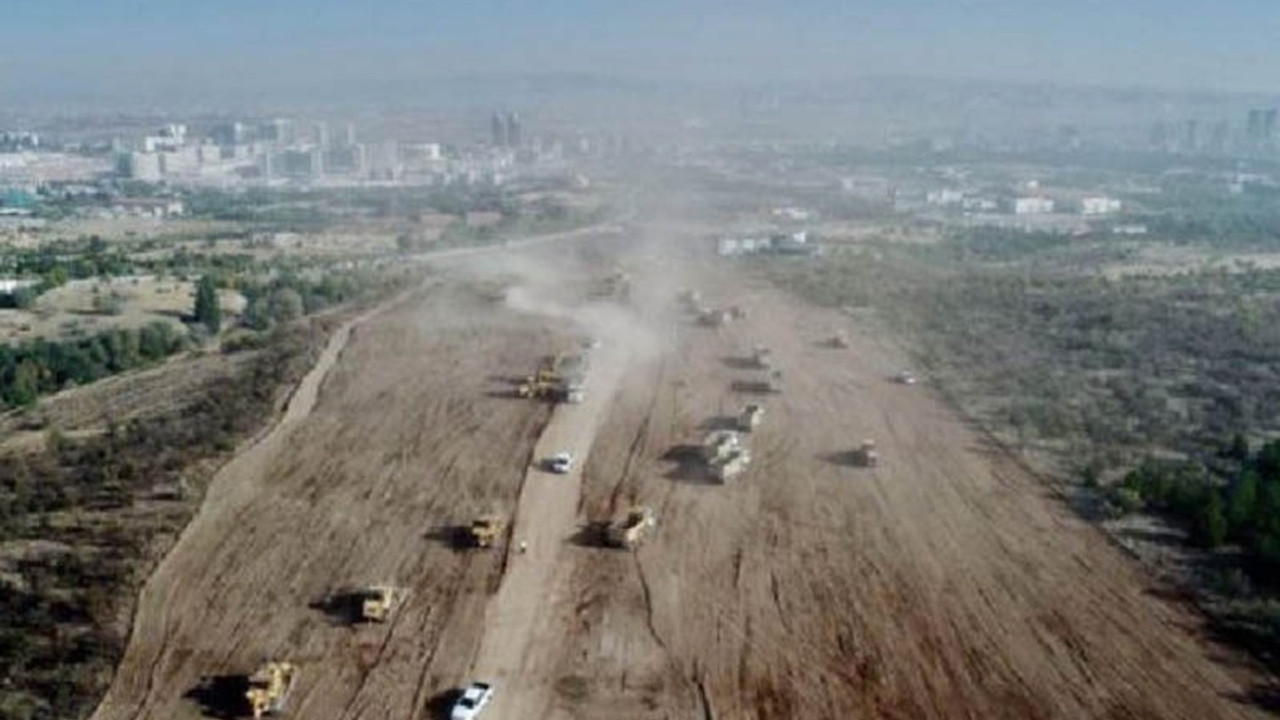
(378, 602)
(730, 465)
(714, 318)
(690, 299)
(750, 417)
(865, 455)
(630, 529)
(269, 688)
(484, 530)
(761, 357)
(615, 286)
(720, 444)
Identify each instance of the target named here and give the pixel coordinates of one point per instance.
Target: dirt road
(946, 583)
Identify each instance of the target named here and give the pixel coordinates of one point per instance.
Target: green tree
(285, 305)
(26, 383)
(1211, 522)
(1242, 506)
(207, 311)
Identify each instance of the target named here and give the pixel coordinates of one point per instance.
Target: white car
(473, 700)
(906, 378)
(560, 463)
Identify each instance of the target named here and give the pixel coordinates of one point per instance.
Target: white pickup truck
(473, 700)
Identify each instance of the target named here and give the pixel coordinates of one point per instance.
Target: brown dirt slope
(946, 583)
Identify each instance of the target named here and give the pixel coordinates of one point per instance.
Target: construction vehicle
(484, 530)
(750, 417)
(720, 444)
(736, 312)
(628, 530)
(269, 688)
(536, 389)
(379, 601)
(691, 300)
(838, 341)
(762, 357)
(560, 378)
(616, 286)
(730, 465)
(714, 318)
(865, 455)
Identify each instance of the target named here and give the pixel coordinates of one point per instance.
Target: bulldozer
(269, 688)
(484, 530)
(730, 465)
(691, 300)
(762, 357)
(379, 602)
(630, 529)
(719, 444)
(535, 388)
(750, 417)
(865, 455)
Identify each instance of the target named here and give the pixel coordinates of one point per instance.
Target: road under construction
(940, 579)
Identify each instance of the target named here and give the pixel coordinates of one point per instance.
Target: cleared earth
(947, 582)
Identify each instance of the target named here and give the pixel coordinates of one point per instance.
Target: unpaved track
(947, 583)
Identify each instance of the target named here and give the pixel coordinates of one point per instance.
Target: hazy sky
(110, 46)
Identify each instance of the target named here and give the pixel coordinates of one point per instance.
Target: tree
(1211, 522)
(207, 311)
(1242, 506)
(26, 383)
(286, 305)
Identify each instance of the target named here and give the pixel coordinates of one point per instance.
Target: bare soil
(948, 582)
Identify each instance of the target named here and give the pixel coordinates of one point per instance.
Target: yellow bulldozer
(484, 530)
(379, 601)
(269, 688)
(865, 455)
(630, 529)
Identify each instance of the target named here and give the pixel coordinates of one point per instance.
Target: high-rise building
(1218, 138)
(1158, 137)
(321, 132)
(497, 131)
(279, 131)
(1190, 136)
(513, 130)
(1253, 130)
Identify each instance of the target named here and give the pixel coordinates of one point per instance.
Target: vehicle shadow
(689, 465)
(751, 387)
(590, 535)
(843, 458)
(454, 537)
(341, 608)
(441, 703)
(221, 696)
(719, 422)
